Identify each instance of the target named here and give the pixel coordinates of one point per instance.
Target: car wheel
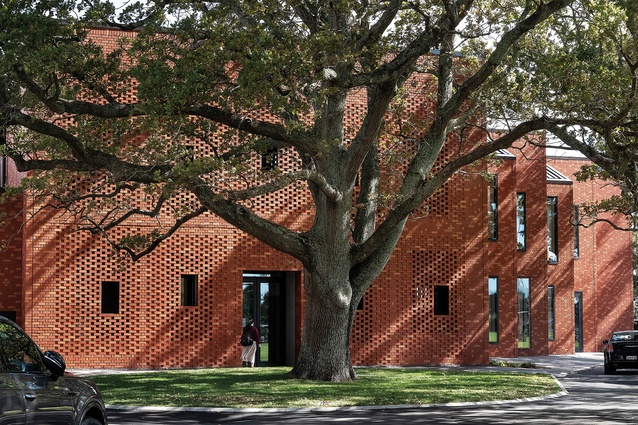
(609, 369)
(91, 421)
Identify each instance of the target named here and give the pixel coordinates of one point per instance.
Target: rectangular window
(441, 300)
(360, 304)
(551, 327)
(492, 208)
(3, 161)
(492, 290)
(576, 232)
(188, 153)
(269, 160)
(552, 229)
(578, 321)
(189, 290)
(3, 171)
(521, 213)
(524, 319)
(11, 315)
(110, 297)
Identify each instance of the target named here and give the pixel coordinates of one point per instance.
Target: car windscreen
(624, 336)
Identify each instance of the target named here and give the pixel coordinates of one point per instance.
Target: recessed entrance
(269, 298)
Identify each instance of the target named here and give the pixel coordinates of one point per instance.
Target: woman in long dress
(248, 352)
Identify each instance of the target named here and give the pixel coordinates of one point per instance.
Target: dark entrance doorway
(578, 321)
(268, 297)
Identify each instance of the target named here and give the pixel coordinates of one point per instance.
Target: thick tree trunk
(325, 346)
(333, 290)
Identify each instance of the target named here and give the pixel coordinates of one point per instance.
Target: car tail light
(610, 348)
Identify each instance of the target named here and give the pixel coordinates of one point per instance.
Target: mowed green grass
(272, 387)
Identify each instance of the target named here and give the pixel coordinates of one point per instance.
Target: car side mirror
(54, 362)
(605, 341)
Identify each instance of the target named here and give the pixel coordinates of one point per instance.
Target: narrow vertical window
(524, 319)
(441, 300)
(576, 232)
(189, 290)
(3, 159)
(578, 321)
(521, 234)
(3, 172)
(551, 312)
(552, 229)
(492, 208)
(110, 297)
(492, 290)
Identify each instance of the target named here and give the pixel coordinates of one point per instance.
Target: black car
(621, 351)
(34, 389)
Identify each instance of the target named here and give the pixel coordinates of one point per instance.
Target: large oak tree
(219, 83)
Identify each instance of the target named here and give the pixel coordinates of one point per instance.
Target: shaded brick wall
(527, 175)
(500, 260)
(603, 271)
(11, 260)
(561, 276)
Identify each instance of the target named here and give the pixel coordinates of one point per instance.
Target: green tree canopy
(169, 122)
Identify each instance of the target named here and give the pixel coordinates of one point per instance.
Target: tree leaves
(203, 89)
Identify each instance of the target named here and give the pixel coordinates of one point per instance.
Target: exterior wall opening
(492, 285)
(524, 310)
(578, 322)
(269, 298)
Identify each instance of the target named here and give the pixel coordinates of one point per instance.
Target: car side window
(19, 352)
(4, 338)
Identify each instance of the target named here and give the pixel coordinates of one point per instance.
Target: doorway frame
(284, 286)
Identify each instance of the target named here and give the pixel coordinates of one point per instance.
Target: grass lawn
(274, 387)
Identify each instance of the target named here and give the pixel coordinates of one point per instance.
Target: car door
(46, 400)
(12, 410)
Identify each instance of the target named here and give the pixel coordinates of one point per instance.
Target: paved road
(593, 398)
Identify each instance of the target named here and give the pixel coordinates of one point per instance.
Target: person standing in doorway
(249, 342)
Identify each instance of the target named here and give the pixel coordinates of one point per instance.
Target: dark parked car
(621, 351)
(34, 388)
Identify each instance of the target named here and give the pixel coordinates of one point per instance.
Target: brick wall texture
(51, 277)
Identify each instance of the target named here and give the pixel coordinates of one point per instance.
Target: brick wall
(396, 325)
(561, 275)
(526, 174)
(11, 260)
(500, 261)
(444, 244)
(603, 270)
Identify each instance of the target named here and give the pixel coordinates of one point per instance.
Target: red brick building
(493, 269)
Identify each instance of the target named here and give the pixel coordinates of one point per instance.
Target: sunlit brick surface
(52, 275)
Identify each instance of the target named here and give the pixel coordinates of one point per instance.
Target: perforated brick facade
(53, 278)
(11, 263)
